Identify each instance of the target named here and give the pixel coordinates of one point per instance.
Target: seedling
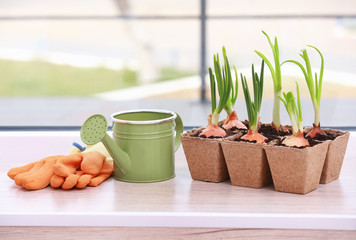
(314, 86)
(295, 113)
(232, 120)
(277, 82)
(224, 85)
(253, 108)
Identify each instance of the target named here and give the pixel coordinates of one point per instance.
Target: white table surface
(179, 202)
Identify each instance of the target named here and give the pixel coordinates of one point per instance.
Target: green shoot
(295, 113)
(277, 79)
(224, 76)
(220, 79)
(253, 108)
(232, 121)
(229, 106)
(212, 90)
(314, 85)
(223, 80)
(294, 110)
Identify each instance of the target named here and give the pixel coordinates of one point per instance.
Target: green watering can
(143, 144)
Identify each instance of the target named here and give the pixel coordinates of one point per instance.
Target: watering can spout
(94, 130)
(121, 159)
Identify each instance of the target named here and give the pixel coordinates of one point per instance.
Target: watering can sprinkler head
(94, 130)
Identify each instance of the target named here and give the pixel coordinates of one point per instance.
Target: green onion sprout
(295, 113)
(253, 108)
(314, 86)
(277, 80)
(232, 121)
(220, 79)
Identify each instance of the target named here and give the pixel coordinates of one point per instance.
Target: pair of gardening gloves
(74, 170)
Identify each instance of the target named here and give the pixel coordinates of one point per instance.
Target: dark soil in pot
(229, 132)
(272, 134)
(330, 135)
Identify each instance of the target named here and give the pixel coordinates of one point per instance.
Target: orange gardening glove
(36, 175)
(70, 172)
(78, 170)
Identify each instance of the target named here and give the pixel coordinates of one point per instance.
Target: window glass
(62, 61)
(261, 7)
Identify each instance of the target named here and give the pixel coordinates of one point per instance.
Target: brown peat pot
(296, 170)
(335, 156)
(204, 157)
(246, 162)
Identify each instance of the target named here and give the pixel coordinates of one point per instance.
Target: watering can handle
(179, 130)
